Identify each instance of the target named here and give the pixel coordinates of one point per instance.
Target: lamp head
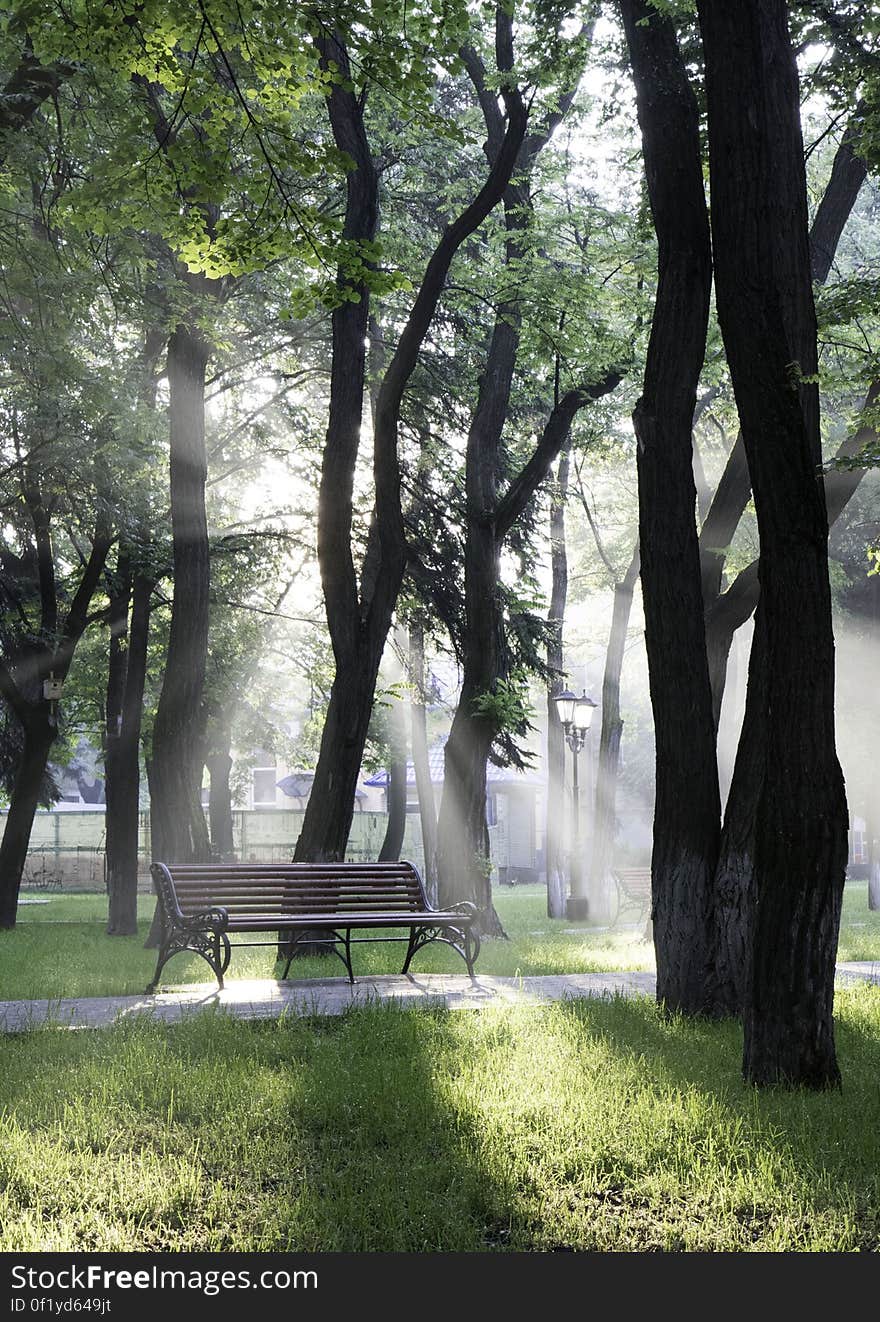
(565, 705)
(583, 712)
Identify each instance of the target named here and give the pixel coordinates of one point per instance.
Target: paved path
(268, 999)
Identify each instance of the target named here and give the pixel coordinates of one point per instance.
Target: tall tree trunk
(126, 682)
(734, 606)
(392, 842)
(464, 862)
(180, 832)
(724, 614)
(357, 649)
(395, 828)
(795, 847)
(463, 853)
(688, 811)
(421, 763)
(359, 620)
(39, 735)
(554, 842)
(125, 693)
(609, 744)
(873, 836)
(463, 850)
(21, 686)
(219, 764)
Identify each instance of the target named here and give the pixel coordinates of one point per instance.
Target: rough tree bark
(793, 851)
(687, 810)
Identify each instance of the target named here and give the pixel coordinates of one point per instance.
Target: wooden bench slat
(200, 903)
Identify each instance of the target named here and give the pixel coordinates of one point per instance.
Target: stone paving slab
(269, 999)
(859, 971)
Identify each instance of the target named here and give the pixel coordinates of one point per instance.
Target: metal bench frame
(205, 930)
(633, 888)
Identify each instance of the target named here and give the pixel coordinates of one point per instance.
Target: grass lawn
(59, 948)
(592, 1125)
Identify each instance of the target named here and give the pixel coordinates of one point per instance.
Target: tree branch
(526, 483)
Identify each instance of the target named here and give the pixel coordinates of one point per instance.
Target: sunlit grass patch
(60, 948)
(585, 1125)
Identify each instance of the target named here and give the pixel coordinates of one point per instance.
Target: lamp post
(575, 715)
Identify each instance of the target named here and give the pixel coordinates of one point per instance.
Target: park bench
(320, 903)
(633, 891)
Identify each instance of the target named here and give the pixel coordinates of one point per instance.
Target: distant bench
(320, 903)
(634, 890)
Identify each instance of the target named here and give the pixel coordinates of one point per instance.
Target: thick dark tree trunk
(125, 694)
(180, 832)
(463, 854)
(554, 840)
(326, 826)
(726, 612)
(357, 648)
(39, 735)
(796, 844)
(463, 848)
(687, 812)
(421, 763)
(609, 744)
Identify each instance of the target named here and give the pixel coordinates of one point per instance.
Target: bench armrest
(216, 917)
(466, 908)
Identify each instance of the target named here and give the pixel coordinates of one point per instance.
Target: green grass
(59, 948)
(592, 1125)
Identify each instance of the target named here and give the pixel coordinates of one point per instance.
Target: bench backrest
(291, 888)
(635, 881)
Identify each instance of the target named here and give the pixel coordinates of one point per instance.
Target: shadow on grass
(595, 1124)
(323, 1134)
(820, 1149)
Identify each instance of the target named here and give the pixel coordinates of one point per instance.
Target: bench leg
(346, 958)
(471, 949)
(160, 964)
(339, 941)
(410, 950)
(214, 950)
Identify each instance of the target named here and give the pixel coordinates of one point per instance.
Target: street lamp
(576, 716)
